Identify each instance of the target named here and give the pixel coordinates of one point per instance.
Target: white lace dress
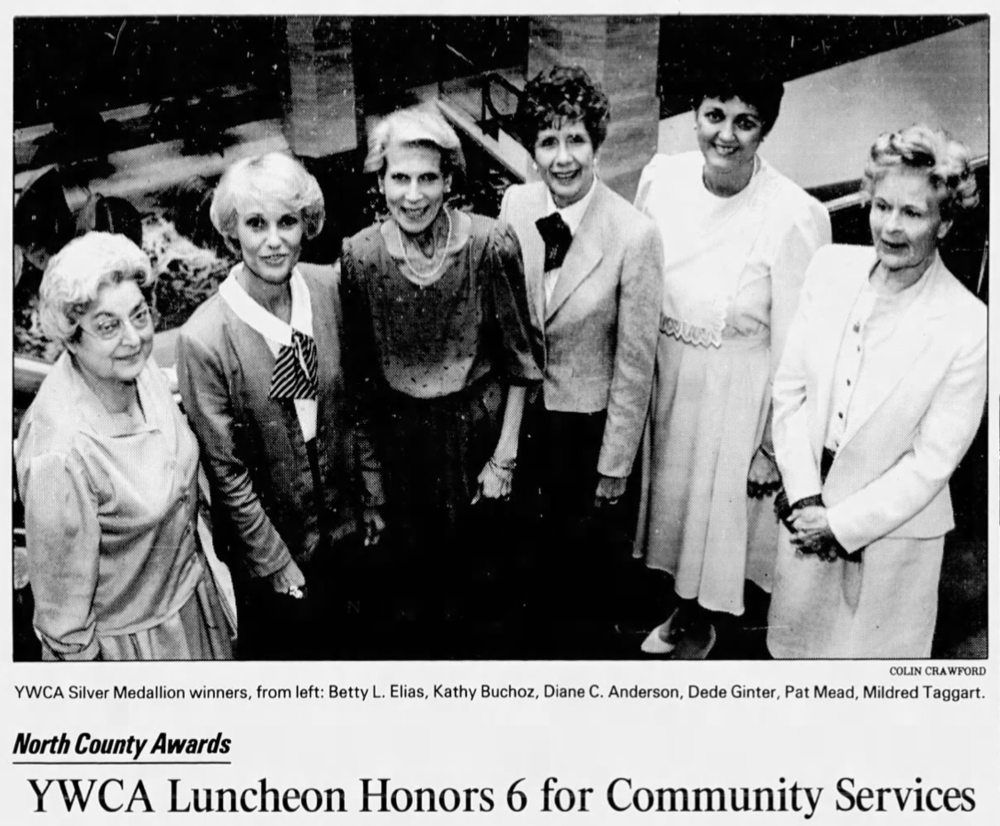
(733, 272)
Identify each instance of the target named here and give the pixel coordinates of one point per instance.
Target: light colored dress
(732, 276)
(110, 516)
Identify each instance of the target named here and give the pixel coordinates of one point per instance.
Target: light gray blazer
(597, 337)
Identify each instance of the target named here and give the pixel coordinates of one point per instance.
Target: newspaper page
(217, 614)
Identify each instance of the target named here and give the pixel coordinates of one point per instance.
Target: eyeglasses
(111, 327)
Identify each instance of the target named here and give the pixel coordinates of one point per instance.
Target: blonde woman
(260, 375)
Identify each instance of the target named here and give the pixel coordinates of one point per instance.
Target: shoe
(631, 628)
(695, 647)
(660, 639)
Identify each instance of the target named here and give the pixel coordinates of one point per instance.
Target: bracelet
(768, 453)
(503, 467)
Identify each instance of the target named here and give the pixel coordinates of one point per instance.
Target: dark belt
(825, 463)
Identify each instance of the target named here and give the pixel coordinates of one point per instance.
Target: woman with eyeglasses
(107, 469)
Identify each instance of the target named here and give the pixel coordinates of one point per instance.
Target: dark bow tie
(557, 238)
(294, 375)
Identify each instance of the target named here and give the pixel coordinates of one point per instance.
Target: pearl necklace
(430, 274)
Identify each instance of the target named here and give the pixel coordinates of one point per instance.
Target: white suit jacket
(597, 336)
(907, 432)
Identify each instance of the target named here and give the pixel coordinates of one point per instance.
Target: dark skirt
(432, 452)
(582, 570)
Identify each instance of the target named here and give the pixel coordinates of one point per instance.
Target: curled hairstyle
(76, 274)
(762, 93)
(564, 93)
(273, 175)
(944, 159)
(417, 126)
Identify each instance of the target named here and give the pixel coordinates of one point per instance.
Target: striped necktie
(294, 375)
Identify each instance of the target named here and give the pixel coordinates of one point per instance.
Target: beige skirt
(696, 521)
(881, 604)
(200, 630)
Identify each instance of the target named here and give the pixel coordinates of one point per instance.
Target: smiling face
(565, 157)
(906, 221)
(414, 186)
(116, 336)
(729, 133)
(270, 237)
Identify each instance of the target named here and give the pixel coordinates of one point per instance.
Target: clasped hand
(811, 533)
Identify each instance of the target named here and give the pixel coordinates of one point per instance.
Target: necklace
(432, 273)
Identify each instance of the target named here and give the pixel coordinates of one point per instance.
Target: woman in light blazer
(292, 479)
(877, 398)
(593, 269)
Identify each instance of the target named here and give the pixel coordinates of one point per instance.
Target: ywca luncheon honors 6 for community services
(383, 795)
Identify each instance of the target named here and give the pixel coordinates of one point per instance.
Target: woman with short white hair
(107, 470)
(260, 375)
(436, 328)
(877, 398)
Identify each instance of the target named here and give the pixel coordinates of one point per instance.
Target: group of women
(784, 411)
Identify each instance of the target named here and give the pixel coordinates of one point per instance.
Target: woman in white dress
(737, 237)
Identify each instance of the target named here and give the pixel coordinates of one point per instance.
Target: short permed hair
(564, 93)
(273, 175)
(944, 159)
(762, 93)
(417, 126)
(76, 274)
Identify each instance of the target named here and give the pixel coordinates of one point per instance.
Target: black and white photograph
(500, 338)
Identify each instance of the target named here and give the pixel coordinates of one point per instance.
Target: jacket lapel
(913, 334)
(248, 345)
(584, 253)
(532, 248)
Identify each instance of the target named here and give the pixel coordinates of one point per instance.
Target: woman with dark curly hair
(738, 236)
(593, 269)
(877, 399)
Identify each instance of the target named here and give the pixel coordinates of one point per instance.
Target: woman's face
(565, 158)
(414, 186)
(729, 133)
(116, 337)
(906, 219)
(270, 237)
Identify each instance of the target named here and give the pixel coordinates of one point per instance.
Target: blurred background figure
(877, 399)
(107, 470)
(44, 221)
(738, 236)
